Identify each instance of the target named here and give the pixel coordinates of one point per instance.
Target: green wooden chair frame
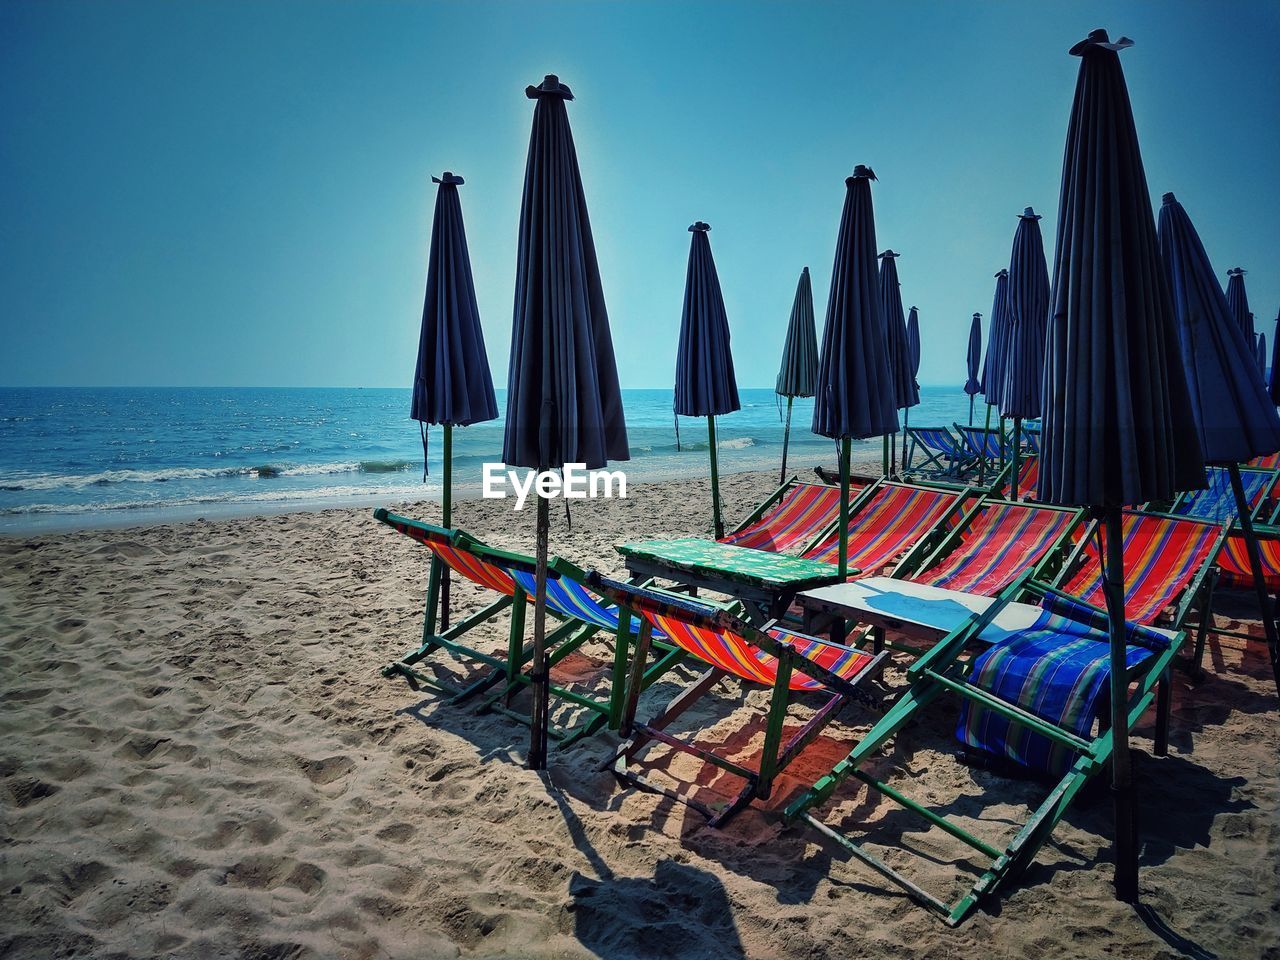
(775, 755)
(941, 671)
(509, 670)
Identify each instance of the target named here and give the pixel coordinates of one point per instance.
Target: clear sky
(238, 193)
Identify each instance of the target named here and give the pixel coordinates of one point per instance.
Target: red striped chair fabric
(803, 513)
(1028, 478)
(1162, 555)
(1270, 462)
(721, 647)
(1234, 568)
(1005, 540)
(888, 525)
(461, 562)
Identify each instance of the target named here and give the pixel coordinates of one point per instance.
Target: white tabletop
(916, 605)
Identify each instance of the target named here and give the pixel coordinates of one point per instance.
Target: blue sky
(238, 193)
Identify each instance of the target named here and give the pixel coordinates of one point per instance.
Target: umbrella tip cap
(1001, 273)
(549, 87)
(1099, 39)
(448, 178)
(889, 255)
(1236, 272)
(699, 226)
(1029, 214)
(863, 172)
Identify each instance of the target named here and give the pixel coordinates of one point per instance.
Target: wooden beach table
(765, 582)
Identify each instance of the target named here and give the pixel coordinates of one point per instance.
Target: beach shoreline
(200, 759)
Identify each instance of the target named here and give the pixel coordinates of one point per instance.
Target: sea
(92, 457)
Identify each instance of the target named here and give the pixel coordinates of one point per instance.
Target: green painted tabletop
(771, 570)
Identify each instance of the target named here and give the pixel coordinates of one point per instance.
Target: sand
(199, 758)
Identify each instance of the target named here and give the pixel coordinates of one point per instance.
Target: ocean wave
(14, 482)
(313, 495)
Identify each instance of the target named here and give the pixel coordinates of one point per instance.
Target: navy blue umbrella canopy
(1118, 425)
(973, 357)
(913, 348)
(563, 401)
(854, 396)
(904, 388)
(451, 384)
(1274, 383)
(705, 384)
(1262, 355)
(993, 368)
(1238, 301)
(1027, 314)
(1234, 415)
(799, 368)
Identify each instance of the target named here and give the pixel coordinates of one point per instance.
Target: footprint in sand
(27, 791)
(326, 770)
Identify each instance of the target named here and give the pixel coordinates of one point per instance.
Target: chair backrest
(937, 440)
(568, 597)
(463, 554)
(1028, 478)
(999, 544)
(983, 441)
(1270, 462)
(1218, 502)
(722, 640)
(1162, 556)
(805, 510)
(888, 522)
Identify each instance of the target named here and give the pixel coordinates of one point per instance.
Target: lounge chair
(1270, 462)
(1218, 501)
(890, 519)
(783, 660)
(994, 543)
(512, 576)
(1233, 561)
(791, 518)
(944, 454)
(1168, 567)
(1036, 696)
(987, 443)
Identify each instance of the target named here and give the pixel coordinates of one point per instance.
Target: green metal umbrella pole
(715, 478)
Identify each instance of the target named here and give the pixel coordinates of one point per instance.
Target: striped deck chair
(792, 518)
(780, 659)
(512, 577)
(993, 544)
(984, 442)
(1270, 462)
(943, 452)
(1034, 696)
(891, 519)
(1233, 563)
(1168, 564)
(1218, 502)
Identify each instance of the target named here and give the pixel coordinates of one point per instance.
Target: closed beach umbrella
(904, 392)
(1118, 425)
(997, 342)
(1028, 313)
(913, 353)
(1262, 356)
(799, 367)
(563, 401)
(705, 385)
(973, 358)
(1238, 301)
(854, 394)
(1274, 382)
(1233, 411)
(997, 351)
(452, 386)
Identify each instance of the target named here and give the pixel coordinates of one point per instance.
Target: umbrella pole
(447, 511)
(1122, 792)
(906, 425)
(1017, 439)
(982, 453)
(538, 714)
(971, 409)
(844, 509)
(1000, 441)
(786, 440)
(715, 479)
(893, 451)
(1255, 564)
(885, 457)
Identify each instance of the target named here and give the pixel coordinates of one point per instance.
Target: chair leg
(1163, 706)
